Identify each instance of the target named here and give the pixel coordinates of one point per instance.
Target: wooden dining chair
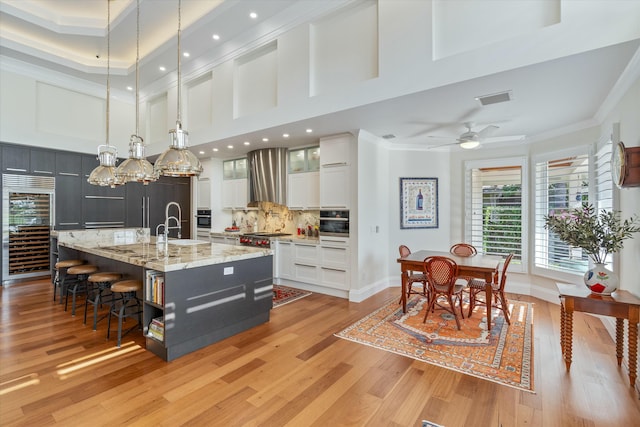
(414, 277)
(478, 286)
(463, 249)
(441, 275)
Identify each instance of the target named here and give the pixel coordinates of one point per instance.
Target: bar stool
(61, 272)
(99, 286)
(130, 305)
(80, 285)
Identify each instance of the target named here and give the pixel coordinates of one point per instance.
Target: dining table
(480, 266)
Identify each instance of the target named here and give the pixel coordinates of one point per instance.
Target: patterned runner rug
(284, 295)
(504, 355)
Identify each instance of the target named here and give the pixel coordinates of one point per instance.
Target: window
(565, 181)
(495, 219)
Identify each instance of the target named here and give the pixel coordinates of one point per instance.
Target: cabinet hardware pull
(105, 197)
(334, 269)
(68, 174)
(304, 265)
(49, 172)
(69, 223)
(334, 165)
(16, 170)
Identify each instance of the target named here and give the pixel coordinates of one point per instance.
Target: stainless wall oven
(334, 223)
(203, 218)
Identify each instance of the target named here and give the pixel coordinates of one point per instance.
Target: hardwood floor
(291, 371)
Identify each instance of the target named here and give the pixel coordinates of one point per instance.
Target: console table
(621, 305)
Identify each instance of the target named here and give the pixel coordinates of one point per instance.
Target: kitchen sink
(187, 242)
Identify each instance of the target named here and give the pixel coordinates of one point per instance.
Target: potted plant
(598, 235)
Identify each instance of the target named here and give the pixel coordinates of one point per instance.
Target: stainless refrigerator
(27, 218)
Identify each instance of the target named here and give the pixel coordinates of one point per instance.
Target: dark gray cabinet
(102, 207)
(42, 162)
(15, 159)
(68, 164)
(146, 204)
(68, 202)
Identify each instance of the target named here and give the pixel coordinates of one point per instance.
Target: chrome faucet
(178, 220)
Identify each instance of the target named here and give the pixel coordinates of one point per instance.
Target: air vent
(388, 136)
(495, 98)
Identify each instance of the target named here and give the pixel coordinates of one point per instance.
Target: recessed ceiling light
(229, 146)
(253, 15)
(216, 37)
(201, 152)
(309, 130)
(247, 143)
(215, 149)
(162, 68)
(129, 88)
(186, 54)
(285, 135)
(265, 139)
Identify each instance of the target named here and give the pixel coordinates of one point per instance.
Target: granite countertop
(188, 254)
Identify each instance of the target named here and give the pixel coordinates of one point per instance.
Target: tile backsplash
(275, 218)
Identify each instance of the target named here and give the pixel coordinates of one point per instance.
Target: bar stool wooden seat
(80, 284)
(61, 272)
(128, 305)
(99, 288)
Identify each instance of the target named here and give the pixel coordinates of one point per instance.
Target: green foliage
(598, 235)
(506, 222)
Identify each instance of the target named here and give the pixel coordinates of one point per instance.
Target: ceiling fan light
(468, 145)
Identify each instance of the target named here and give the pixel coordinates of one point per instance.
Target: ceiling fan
(472, 139)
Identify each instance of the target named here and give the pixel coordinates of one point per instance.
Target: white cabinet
(303, 191)
(284, 260)
(204, 193)
(316, 264)
(234, 193)
(335, 171)
(335, 150)
(335, 185)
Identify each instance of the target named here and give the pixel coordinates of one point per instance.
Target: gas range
(261, 239)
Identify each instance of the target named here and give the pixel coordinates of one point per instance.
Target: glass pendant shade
(105, 174)
(177, 160)
(136, 168)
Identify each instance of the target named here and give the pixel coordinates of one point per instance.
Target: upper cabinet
(42, 162)
(235, 187)
(68, 164)
(335, 172)
(336, 150)
(304, 160)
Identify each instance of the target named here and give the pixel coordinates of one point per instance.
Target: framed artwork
(418, 202)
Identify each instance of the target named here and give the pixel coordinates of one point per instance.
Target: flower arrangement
(597, 234)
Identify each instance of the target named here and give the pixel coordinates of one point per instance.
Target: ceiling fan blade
(503, 139)
(438, 137)
(488, 131)
(429, 147)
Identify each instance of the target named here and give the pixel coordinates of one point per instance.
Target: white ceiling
(69, 36)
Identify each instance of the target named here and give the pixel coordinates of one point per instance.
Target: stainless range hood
(267, 176)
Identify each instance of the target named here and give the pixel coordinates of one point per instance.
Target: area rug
(284, 295)
(504, 355)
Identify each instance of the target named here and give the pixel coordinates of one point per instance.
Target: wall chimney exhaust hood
(267, 176)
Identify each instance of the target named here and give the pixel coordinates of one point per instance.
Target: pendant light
(136, 168)
(105, 174)
(178, 160)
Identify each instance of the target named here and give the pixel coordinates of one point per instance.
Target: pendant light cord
(108, 64)
(179, 68)
(137, 71)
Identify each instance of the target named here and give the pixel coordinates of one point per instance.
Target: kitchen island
(197, 292)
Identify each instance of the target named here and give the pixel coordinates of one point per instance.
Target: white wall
(627, 113)
(418, 164)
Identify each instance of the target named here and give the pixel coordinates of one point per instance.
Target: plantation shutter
(561, 184)
(495, 219)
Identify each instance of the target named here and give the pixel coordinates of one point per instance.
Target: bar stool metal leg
(99, 288)
(130, 306)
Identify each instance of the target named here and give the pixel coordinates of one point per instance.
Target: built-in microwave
(334, 223)
(203, 218)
